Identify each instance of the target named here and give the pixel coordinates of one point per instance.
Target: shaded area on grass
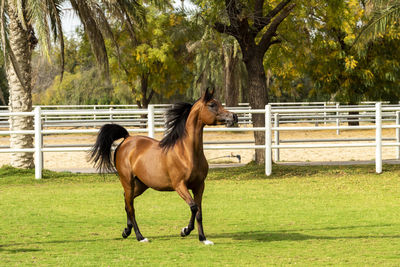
(262, 236)
(293, 234)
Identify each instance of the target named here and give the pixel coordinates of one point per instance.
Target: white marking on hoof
(183, 234)
(208, 242)
(145, 240)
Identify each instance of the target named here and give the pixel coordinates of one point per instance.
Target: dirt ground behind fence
(77, 160)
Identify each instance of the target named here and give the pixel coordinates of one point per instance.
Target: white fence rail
(296, 115)
(273, 120)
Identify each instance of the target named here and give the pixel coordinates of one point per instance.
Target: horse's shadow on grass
(261, 236)
(290, 235)
(293, 235)
(6, 247)
(19, 250)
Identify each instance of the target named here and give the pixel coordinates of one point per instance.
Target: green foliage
(158, 61)
(83, 87)
(174, 55)
(319, 61)
(82, 81)
(208, 63)
(350, 73)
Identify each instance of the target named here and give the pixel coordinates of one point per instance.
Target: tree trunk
(254, 46)
(231, 61)
(20, 99)
(258, 99)
(145, 100)
(144, 86)
(353, 121)
(2, 98)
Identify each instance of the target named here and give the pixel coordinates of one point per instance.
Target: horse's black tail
(100, 154)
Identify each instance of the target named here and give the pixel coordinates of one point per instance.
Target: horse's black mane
(175, 121)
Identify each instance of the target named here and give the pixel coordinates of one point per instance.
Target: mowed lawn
(329, 215)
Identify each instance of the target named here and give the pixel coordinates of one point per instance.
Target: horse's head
(213, 113)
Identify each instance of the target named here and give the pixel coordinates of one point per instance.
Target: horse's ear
(208, 95)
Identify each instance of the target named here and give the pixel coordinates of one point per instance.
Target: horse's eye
(212, 105)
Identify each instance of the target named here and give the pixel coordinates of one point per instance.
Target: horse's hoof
(144, 240)
(125, 233)
(183, 233)
(207, 242)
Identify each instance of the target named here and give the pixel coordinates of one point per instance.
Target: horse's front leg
(187, 230)
(198, 196)
(195, 209)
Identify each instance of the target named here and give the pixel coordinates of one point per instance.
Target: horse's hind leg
(133, 190)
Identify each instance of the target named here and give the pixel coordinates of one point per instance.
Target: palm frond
(21, 16)
(38, 11)
(133, 11)
(55, 18)
(384, 16)
(105, 27)
(161, 4)
(94, 34)
(131, 14)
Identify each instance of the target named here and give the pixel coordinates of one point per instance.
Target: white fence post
(268, 150)
(337, 119)
(111, 115)
(398, 134)
(150, 120)
(378, 137)
(276, 135)
(38, 144)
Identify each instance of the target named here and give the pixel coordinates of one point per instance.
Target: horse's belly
(153, 175)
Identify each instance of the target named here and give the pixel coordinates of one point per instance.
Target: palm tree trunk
(20, 99)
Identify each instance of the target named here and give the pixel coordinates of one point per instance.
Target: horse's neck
(193, 140)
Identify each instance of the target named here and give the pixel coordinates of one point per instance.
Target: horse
(176, 163)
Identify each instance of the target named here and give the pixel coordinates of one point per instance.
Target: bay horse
(176, 163)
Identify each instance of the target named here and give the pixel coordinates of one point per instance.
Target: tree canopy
(316, 54)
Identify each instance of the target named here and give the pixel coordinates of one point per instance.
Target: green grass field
(329, 215)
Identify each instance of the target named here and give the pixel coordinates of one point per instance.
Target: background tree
(31, 21)
(158, 62)
(254, 25)
(232, 59)
(18, 41)
(208, 63)
(347, 72)
(82, 81)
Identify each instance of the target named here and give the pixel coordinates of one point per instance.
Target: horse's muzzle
(232, 120)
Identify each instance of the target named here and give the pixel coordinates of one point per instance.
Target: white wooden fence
(378, 112)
